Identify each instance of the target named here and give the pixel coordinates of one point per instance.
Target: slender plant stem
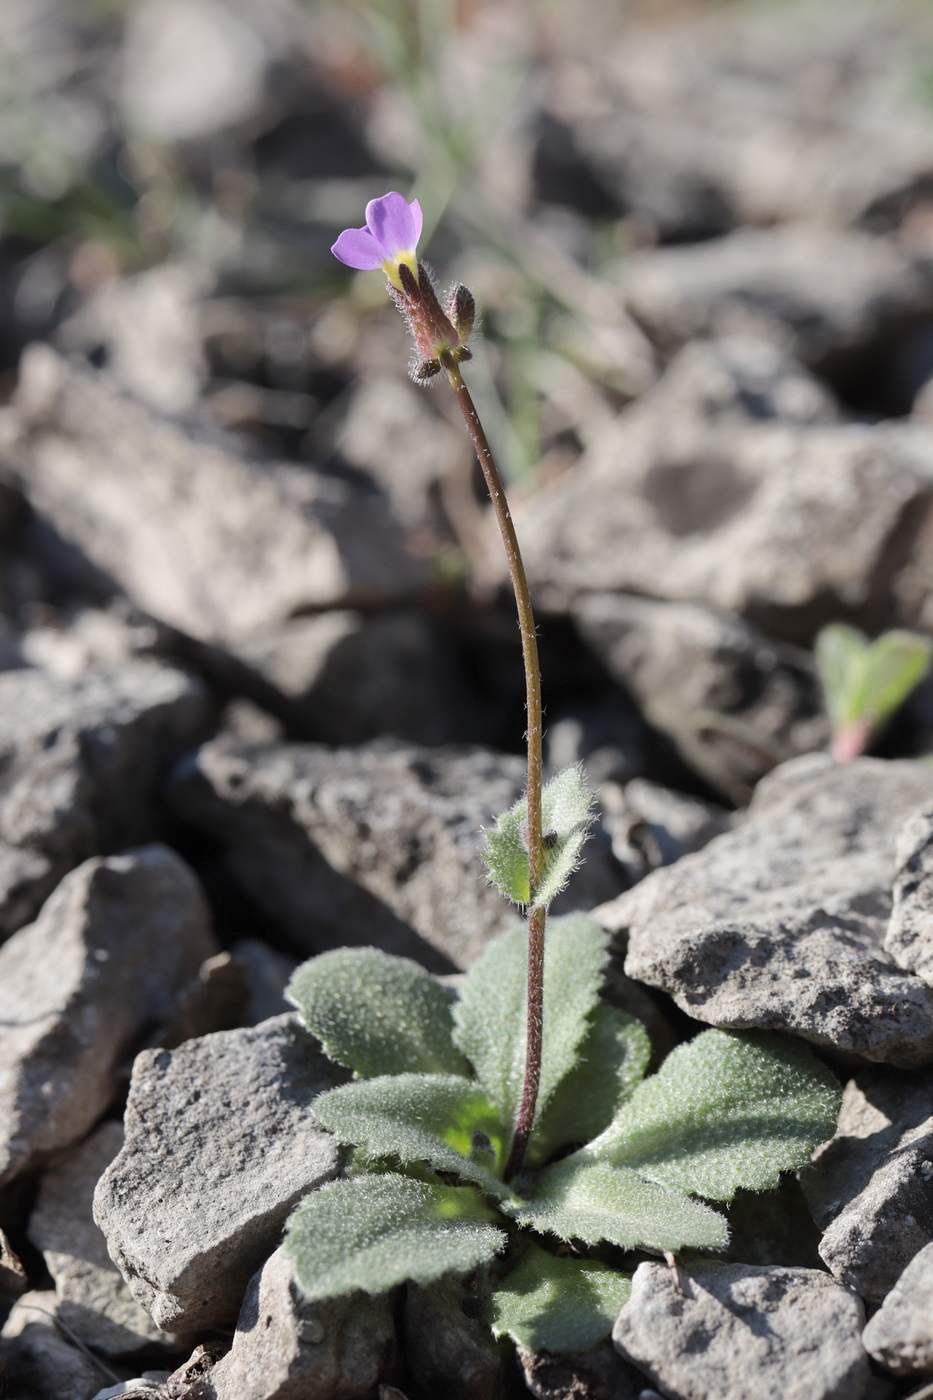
(535, 842)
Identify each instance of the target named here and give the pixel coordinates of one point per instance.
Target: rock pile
(260, 690)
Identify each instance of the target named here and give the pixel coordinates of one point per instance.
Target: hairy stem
(535, 842)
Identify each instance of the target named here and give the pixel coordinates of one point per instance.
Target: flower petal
(394, 223)
(357, 248)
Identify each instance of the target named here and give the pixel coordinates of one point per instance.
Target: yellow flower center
(390, 267)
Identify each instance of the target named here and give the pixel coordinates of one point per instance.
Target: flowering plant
(519, 1117)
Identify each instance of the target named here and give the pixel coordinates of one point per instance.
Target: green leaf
(727, 1109)
(489, 1017)
(612, 1060)
(557, 1304)
(376, 1014)
(593, 1200)
(436, 1118)
(865, 682)
(566, 813)
(373, 1232)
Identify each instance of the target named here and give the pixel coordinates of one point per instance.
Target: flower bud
(461, 310)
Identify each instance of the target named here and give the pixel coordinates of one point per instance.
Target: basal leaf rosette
(616, 1158)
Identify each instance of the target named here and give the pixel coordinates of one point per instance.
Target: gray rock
(267, 975)
(215, 1000)
(900, 1335)
(149, 1386)
(818, 291)
(190, 70)
(104, 961)
(734, 702)
(651, 826)
(349, 676)
(221, 1145)
(394, 433)
(14, 1280)
(746, 115)
(449, 1349)
(197, 534)
(92, 1299)
(745, 1333)
(596, 1374)
(909, 937)
(378, 844)
(780, 923)
(80, 763)
(42, 1364)
(149, 327)
(785, 524)
(286, 1349)
(869, 1190)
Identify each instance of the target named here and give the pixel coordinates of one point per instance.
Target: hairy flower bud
(461, 310)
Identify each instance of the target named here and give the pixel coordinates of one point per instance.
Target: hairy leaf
(612, 1060)
(566, 813)
(593, 1200)
(437, 1118)
(727, 1109)
(865, 682)
(373, 1232)
(490, 1014)
(560, 1304)
(376, 1014)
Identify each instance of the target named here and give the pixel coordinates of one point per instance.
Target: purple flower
(393, 227)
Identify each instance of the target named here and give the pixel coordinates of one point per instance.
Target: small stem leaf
(376, 1014)
(566, 813)
(506, 855)
(865, 682)
(613, 1059)
(728, 1109)
(490, 1014)
(593, 1201)
(376, 1231)
(437, 1118)
(557, 1304)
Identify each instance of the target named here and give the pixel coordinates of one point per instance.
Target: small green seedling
(614, 1157)
(865, 682)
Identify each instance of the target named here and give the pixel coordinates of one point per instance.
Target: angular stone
(869, 1190)
(221, 1144)
(744, 1333)
(41, 1363)
(196, 533)
(267, 975)
(348, 676)
(734, 702)
(780, 923)
(92, 1299)
(909, 937)
(394, 433)
(287, 1349)
(377, 844)
(900, 1335)
(449, 1349)
(599, 1373)
(818, 291)
(105, 960)
(651, 825)
(149, 327)
(787, 525)
(80, 762)
(14, 1280)
(745, 114)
